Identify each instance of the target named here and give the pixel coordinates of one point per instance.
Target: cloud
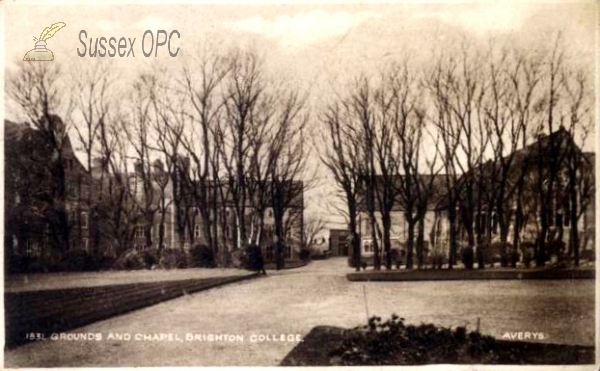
(108, 25)
(153, 23)
(304, 28)
(499, 17)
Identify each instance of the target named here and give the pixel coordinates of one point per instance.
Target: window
(288, 252)
(74, 244)
(69, 164)
(559, 219)
(551, 214)
(84, 220)
(483, 222)
(567, 220)
(32, 248)
(85, 191)
(85, 244)
(495, 222)
(227, 232)
(139, 231)
(478, 222)
(71, 189)
(197, 231)
(270, 253)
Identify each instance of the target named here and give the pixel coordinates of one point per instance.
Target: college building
(55, 207)
(524, 162)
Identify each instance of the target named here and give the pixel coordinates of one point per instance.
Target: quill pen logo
(40, 53)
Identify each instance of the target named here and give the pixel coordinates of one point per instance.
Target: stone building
(48, 195)
(547, 157)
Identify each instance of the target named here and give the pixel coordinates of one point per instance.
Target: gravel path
(252, 316)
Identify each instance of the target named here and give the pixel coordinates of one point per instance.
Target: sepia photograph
(299, 184)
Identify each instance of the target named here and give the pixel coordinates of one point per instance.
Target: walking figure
(261, 261)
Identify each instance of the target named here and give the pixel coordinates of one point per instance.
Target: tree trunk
(420, 242)
(387, 244)
(355, 239)
(453, 235)
(410, 243)
(573, 216)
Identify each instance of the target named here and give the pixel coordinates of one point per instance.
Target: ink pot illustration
(41, 53)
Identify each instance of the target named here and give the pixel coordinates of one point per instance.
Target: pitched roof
(435, 197)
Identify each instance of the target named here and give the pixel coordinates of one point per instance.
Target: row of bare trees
(209, 141)
(478, 132)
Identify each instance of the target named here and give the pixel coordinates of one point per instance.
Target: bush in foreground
(394, 343)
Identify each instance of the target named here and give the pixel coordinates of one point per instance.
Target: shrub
(237, 258)
(80, 261)
(437, 260)
(556, 247)
(514, 258)
(481, 254)
(202, 257)
(134, 259)
(468, 257)
(305, 255)
(252, 258)
(24, 264)
(173, 259)
(527, 248)
(320, 255)
(394, 343)
(587, 255)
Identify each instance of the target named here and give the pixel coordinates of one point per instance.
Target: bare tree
(138, 128)
(243, 88)
(439, 83)
(94, 106)
(360, 108)
(36, 89)
(411, 188)
(312, 228)
(287, 157)
(525, 76)
(580, 184)
(339, 156)
(117, 213)
(550, 155)
(200, 89)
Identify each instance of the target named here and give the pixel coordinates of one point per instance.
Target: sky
(318, 48)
